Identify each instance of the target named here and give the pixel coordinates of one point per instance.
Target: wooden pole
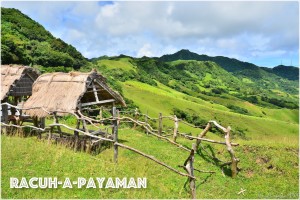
(234, 160)
(207, 140)
(202, 135)
(50, 135)
(190, 167)
(43, 123)
(135, 117)
(160, 124)
(4, 116)
(57, 122)
(146, 121)
(118, 115)
(175, 128)
(115, 135)
(101, 114)
(76, 135)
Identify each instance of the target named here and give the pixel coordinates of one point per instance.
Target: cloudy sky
(264, 33)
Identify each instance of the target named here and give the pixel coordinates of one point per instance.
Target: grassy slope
(35, 158)
(269, 160)
(260, 130)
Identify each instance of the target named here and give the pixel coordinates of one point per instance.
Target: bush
(192, 119)
(238, 109)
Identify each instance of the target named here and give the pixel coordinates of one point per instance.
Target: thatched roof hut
(17, 80)
(67, 92)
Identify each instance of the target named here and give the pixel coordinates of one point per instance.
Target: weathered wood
(84, 126)
(146, 121)
(191, 170)
(95, 92)
(115, 134)
(136, 112)
(202, 135)
(160, 124)
(207, 140)
(155, 160)
(76, 135)
(98, 102)
(57, 122)
(101, 114)
(50, 135)
(150, 130)
(4, 116)
(118, 116)
(89, 146)
(234, 160)
(175, 128)
(42, 122)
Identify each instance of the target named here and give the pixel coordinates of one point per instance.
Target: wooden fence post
(146, 121)
(76, 134)
(118, 120)
(175, 128)
(160, 124)
(4, 117)
(135, 117)
(234, 160)
(50, 135)
(101, 114)
(191, 168)
(202, 135)
(115, 135)
(56, 121)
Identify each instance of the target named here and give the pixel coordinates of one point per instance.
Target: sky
(263, 33)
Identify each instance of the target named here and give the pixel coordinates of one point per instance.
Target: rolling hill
(260, 105)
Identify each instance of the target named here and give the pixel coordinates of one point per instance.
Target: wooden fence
(119, 117)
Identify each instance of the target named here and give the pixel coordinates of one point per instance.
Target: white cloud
(241, 29)
(145, 51)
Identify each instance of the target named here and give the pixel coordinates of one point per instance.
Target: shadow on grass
(213, 159)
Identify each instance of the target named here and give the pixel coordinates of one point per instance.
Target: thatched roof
(67, 92)
(17, 80)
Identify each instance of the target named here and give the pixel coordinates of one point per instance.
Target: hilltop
(24, 41)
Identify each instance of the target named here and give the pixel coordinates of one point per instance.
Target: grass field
(266, 172)
(268, 154)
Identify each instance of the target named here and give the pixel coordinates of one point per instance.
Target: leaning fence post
(160, 124)
(234, 160)
(175, 128)
(115, 134)
(191, 170)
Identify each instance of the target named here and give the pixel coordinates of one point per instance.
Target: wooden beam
(115, 134)
(98, 102)
(99, 90)
(95, 92)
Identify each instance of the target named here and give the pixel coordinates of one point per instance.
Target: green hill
(24, 41)
(235, 66)
(261, 107)
(288, 72)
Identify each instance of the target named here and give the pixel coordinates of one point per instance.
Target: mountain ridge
(230, 64)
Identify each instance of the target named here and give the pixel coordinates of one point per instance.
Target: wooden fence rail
(116, 119)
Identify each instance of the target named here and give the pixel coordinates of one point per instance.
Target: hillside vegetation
(24, 41)
(260, 104)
